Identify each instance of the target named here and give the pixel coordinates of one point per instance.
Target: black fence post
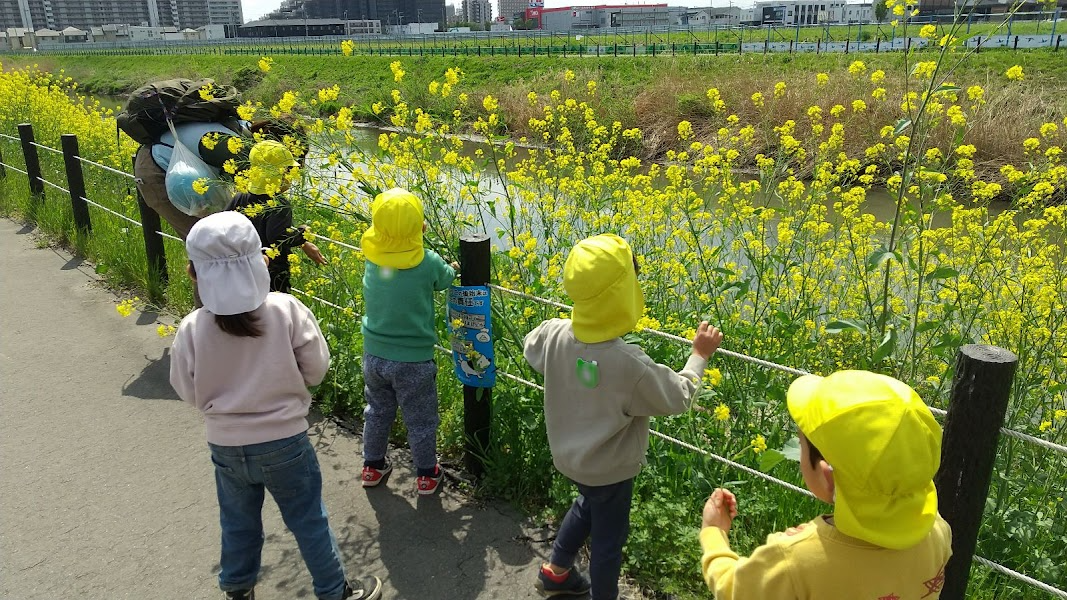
(153, 246)
(474, 258)
(979, 400)
(33, 163)
(76, 182)
(3, 169)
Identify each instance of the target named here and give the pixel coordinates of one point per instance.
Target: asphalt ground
(107, 491)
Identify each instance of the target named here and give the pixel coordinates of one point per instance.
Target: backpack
(151, 106)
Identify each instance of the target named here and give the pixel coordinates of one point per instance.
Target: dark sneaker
(428, 484)
(571, 584)
(241, 595)
(372, 477)
(364, 588)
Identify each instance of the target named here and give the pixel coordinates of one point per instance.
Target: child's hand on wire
(707, 340)
(720, 510)
(455, 267)
(313, 253)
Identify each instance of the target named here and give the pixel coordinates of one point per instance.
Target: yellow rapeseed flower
(758, 444)
(265, 63)
(1015, 73)
(722, 412)
(822, 78)
(398, 71)
(685, 130)
(200, 186)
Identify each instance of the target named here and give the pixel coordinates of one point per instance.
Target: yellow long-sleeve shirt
(815, 561)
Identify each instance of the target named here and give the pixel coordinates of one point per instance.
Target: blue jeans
(289, 470)
(601, 514)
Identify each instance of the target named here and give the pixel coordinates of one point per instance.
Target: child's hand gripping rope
(720, 510)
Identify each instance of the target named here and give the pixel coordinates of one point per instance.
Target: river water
(879, 202)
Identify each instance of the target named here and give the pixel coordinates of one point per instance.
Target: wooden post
(474, 259)
(976, 409)
(33, 163)
(76, 183)
(3, 169)
(155, 253)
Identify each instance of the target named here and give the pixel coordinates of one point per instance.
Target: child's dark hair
(814, 456)
(240, 325)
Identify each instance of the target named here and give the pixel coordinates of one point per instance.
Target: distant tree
(880, 10)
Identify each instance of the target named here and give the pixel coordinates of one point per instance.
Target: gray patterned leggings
(412, 387)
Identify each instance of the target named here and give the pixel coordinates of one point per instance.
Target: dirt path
(107, 492)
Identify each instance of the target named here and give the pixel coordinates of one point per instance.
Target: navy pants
(388, 384)
(601, 514)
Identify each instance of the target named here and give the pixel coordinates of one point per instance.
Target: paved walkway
(106, 488)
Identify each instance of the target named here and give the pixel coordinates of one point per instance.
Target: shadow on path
(153, 382)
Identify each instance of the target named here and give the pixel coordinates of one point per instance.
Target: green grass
(653, 95)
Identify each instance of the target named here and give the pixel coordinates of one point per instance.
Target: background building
(605, 16)
(812, 12)
(390, 12)
(83, 14)
(511, 9)
(943, 10)
(477, 11)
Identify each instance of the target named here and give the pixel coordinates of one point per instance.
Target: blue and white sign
(470, 333)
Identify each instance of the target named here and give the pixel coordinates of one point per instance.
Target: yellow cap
(395, 235)
(269, 161)
(884, 446)
(599, 277)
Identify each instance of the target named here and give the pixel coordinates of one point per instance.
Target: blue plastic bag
(186, 169)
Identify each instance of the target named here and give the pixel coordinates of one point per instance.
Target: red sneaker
(427, 485)
(372, 477)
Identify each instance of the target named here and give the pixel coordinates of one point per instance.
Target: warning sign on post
(470, 333)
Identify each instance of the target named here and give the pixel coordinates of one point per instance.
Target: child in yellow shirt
(871, 447)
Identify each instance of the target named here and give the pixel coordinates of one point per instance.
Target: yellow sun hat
(884, 446)
(599, 277)
(395, 235)
(269, 161)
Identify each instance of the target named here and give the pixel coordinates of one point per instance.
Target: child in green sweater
(399, 336)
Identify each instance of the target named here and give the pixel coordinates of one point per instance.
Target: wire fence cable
(14, 168)
(1019, 576)
(107, 168)
(774, 366)
(46, 148)
(746, 469)
(106, 209)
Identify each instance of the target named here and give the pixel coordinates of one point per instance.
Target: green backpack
(151, 106)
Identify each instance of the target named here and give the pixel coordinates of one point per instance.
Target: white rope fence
(774, 366)
(107, 168)
(49, 183)
(46, 148)
(333, 241)
(746, 469)
(10, 137)
(1019, 576)
(323, 301)
(106, 209)
(14, 168)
